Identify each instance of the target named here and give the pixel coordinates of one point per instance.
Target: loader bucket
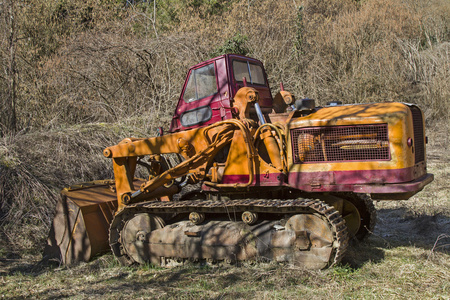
(80, 228)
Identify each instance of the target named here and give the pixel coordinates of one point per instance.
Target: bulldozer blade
(80, 228)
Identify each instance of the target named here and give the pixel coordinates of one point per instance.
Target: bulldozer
(242, 175)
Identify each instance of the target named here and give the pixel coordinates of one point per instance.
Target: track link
(232, 207)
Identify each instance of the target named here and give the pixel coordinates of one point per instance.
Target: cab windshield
(201, 83)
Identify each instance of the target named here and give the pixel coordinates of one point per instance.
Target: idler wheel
(134, 235)
(359, 214)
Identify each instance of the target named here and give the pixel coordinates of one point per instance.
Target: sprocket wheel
(359, 214)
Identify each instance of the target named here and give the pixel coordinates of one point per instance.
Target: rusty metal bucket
(80, 228)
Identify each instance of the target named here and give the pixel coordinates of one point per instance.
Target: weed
(343, 272)
(234, 45)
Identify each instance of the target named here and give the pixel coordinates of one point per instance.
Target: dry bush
(111, 77)
(40, 28)
(129, 62)
(428, 74)
(268, 26)
(353, 57)
(26, 204)
(342, 50)
(377, 53)
(35, 166)
(435, 20)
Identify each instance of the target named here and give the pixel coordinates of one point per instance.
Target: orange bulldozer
(243, 175)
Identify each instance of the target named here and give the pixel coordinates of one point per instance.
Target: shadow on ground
(399, 228)
(395, 228)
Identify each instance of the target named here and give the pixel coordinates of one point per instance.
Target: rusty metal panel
(81, 225)
(233, 241)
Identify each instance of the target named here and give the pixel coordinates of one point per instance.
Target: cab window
(201, 83)
(253, 73)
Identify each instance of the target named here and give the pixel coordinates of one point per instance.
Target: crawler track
(335, 223)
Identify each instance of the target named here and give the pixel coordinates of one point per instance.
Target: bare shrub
(439, 243)
(112, 76)
(26, 203)
(428, 74)
(35, 166)
(96, 62)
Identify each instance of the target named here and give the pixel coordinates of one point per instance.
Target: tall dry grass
(108, 63)
(35, 166)
(345, 50)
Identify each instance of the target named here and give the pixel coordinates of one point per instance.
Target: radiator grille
(340, 143)
(419, 147)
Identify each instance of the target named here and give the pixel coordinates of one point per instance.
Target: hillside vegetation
(77, 76)
(119, 61)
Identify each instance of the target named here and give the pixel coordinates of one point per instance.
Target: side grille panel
(419, 147)
(340, 143)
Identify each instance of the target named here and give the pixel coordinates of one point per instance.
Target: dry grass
(35, 166)
(394, 272)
